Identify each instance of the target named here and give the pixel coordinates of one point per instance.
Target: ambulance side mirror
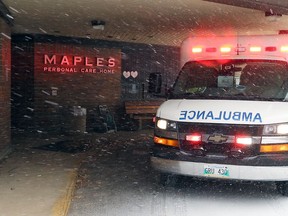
(155, 83)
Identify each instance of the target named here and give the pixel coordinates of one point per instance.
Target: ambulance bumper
(210, 170)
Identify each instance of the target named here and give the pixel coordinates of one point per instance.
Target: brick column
(5, 88)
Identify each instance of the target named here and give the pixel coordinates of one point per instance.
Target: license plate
(215, 170)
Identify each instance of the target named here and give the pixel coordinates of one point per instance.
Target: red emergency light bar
(227, 49)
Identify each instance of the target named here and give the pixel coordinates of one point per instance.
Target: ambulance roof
(274, 47)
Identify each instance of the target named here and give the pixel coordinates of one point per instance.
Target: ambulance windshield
(233, 79)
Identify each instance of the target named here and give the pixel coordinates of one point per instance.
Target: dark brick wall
(88, 90)
(146, 59)
(5, 68)
(22, 84)
(33, 87)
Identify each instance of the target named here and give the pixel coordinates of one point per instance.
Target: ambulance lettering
(220, 116)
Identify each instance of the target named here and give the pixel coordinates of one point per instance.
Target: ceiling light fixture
(271, 16)
(98, 24)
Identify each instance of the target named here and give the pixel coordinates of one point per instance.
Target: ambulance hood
(224, 111)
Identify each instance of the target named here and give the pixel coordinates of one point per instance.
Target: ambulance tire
(282, 188)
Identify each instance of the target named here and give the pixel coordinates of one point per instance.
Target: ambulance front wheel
(282, 188)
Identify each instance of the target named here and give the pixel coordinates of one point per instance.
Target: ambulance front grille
(226, 129)
(217, 138)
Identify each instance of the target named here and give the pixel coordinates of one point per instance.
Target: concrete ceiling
(165, 22)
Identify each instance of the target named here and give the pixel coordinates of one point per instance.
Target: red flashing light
(196, 50)
(211, 49)
(255, 49)
(194, 138)
(225, 49)
(270, 49)
(284, 49)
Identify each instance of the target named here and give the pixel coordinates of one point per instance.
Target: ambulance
(226, 116)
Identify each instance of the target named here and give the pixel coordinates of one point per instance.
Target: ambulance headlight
(275, 129)
(166, 125)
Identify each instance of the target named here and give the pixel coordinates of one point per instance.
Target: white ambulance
(227, 113)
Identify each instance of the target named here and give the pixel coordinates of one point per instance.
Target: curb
(62, 205)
